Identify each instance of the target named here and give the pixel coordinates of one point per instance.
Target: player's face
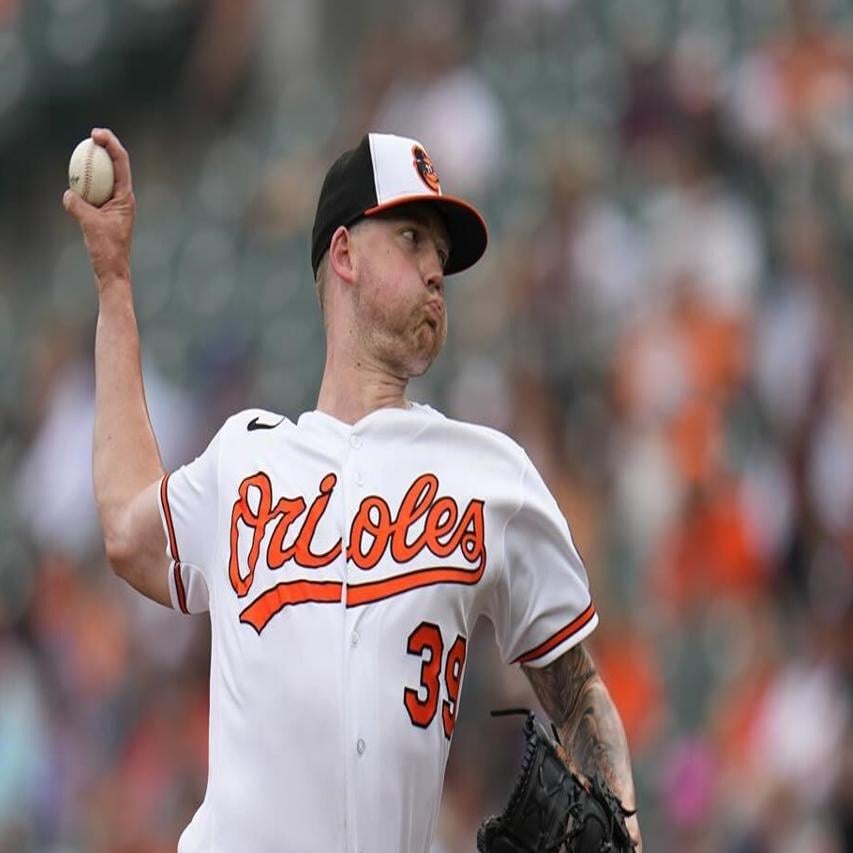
(399, 297)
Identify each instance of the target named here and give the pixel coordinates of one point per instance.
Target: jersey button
(354, 638)
(360, 746)
(355, 441)
(359, 478)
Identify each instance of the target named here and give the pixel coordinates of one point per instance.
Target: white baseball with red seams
(90, 173)
(343, 568)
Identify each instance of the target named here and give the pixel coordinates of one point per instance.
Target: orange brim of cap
(465, 226)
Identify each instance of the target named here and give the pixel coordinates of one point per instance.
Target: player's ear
(341, 257)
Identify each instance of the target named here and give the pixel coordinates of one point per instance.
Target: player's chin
(421, 363)
(429, 340)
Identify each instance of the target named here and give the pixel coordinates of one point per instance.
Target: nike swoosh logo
(254, 424)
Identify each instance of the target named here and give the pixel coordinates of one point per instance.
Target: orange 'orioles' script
(376, 530)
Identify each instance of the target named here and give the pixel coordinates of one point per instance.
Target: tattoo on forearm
(576, 699)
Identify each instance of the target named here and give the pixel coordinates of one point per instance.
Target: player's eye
(443, 257)
(411, 234)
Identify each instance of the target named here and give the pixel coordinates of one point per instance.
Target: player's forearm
(595, 738)
(590, 728)
(126, 458)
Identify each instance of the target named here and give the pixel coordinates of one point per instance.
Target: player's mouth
(434, 313)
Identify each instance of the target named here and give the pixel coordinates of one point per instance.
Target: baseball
(90, 172)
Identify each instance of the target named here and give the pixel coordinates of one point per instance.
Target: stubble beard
(407, 343)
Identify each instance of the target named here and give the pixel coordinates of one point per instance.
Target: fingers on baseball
(75, 205)
(121, 162)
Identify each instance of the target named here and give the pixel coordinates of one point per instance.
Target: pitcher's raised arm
(126, 463)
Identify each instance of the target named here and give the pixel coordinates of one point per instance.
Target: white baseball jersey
(344, 568)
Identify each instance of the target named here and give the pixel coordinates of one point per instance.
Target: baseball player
(344, 556)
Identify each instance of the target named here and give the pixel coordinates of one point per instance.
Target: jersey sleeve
(541, 603)
(189, 510)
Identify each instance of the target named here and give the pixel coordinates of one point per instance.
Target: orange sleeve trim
(268, 603)
(179, 586)
(367, 593)
(167, 513)
(560, 637)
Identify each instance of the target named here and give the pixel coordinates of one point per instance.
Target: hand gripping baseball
(108, 230)
(552, 810)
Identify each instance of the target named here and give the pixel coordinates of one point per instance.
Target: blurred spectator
(796, 89)
(54, 481)
(222, 53)
(797, 331)
(24, 759)
(8, 11)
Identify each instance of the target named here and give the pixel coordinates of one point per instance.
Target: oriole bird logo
(425, 169)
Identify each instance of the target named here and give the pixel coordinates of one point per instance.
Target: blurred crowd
(663, 320)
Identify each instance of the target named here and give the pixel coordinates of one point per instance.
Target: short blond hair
(321, 282)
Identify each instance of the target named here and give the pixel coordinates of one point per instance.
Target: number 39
(426, 642)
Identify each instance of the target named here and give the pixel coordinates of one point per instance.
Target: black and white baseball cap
(385, 171)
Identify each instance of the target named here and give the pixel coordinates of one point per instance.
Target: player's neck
(352, 389)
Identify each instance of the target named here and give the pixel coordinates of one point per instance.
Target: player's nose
(433, 274)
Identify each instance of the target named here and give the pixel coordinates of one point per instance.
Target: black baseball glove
(551, 810)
